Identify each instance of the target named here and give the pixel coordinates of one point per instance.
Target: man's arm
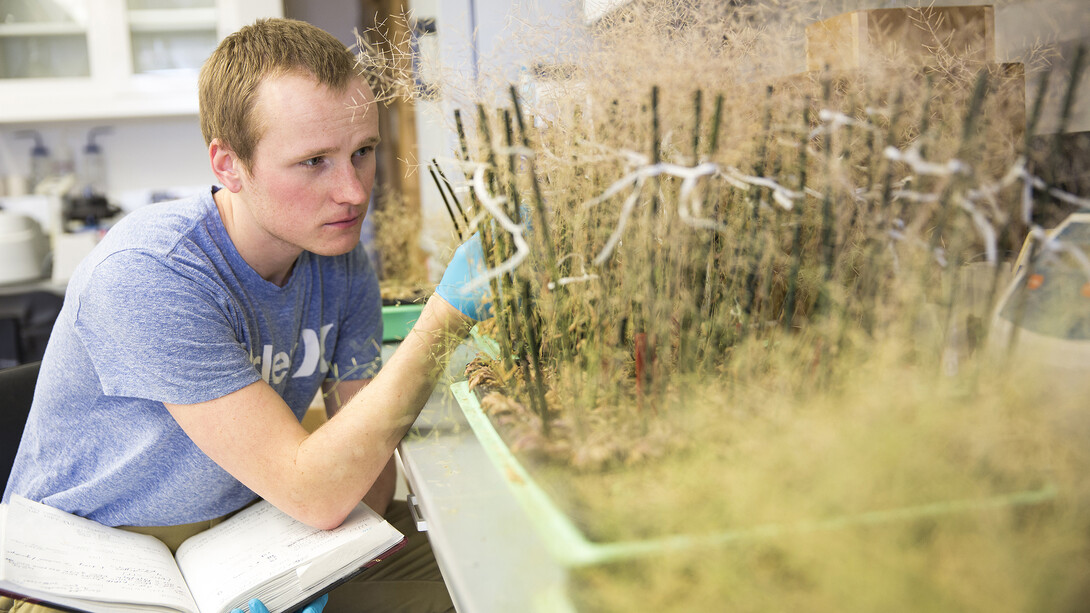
(336, 394)
(319, 478)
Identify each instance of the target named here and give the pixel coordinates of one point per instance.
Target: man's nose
(349, 186)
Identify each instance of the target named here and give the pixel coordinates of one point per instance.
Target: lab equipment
(40, 161)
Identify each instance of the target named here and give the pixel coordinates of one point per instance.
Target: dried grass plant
(403, 278)
(732, 295)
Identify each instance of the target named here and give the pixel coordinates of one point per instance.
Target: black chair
(26, 321)
(16, 393)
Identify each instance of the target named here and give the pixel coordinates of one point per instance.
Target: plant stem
(450, 211)
(796, 242)
(539, 200)
(450, 190)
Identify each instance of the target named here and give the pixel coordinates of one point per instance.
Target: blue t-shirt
(165, 309)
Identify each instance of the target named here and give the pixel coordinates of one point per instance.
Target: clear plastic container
(41, 164)
(92, 175)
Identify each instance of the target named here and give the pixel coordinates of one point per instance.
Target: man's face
(310, 179)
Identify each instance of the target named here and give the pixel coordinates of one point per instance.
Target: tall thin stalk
(459, 229)
(796, 236)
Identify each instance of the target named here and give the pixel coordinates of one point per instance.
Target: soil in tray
(1012, 559)
(720, 456)
(396, 292)
(729, 458)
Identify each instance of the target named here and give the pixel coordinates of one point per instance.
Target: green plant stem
(697, 103)
(752, 242)
(870, 280)
(495, 252)
(796, 238)
(542, 220)
(450, 211)
(450, 191)
(711, 268)
(462, 144)
(532, 341)
(513, 210)
(828, 229)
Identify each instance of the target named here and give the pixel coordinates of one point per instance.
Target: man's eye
(363, 151)
(314, 161)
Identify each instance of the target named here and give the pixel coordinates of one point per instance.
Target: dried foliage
(731, 293)
(402, 278)
(384, 56)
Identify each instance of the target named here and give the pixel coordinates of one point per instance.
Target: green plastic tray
(571, 548)
(397, 320)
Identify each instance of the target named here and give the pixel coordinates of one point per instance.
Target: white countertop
(491, 558)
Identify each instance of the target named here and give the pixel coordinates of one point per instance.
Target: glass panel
(43, 39)
(44, 57)
(1055, 300)
(143, 5)
(43, 11)
(170, 51)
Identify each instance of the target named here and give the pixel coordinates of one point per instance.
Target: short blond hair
(229, 80)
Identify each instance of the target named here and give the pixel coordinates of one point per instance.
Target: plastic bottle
(41, 167)
(92, 180)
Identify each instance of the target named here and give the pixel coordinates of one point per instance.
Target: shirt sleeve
(358, 353)
(154, 333)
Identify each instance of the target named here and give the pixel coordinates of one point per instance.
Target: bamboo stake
(450, 211)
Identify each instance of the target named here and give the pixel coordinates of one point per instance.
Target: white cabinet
(91, 59)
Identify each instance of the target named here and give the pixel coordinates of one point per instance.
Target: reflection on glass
(43, 39)
(141, 5)
(43, 11)
(1055, 300)
(157, 51)
(44, 56)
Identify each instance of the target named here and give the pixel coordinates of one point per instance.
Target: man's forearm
(350, 452)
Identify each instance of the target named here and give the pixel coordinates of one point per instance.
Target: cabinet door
(43, 39)
(105, 59)
(168, 36)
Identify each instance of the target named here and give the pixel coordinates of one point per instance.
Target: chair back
(16, 394)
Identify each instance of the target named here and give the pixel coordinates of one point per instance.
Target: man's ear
(225, 165)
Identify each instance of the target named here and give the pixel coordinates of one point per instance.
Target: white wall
(483, 46)
(141, 155)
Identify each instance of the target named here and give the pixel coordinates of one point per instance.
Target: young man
(194, 337)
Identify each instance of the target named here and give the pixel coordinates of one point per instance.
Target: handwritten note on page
(54, 552)
(265, 547)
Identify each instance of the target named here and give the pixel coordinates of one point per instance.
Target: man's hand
(467, 266)
(256, 606)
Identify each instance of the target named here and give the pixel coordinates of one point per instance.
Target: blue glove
(466, 266)
(256, 606)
